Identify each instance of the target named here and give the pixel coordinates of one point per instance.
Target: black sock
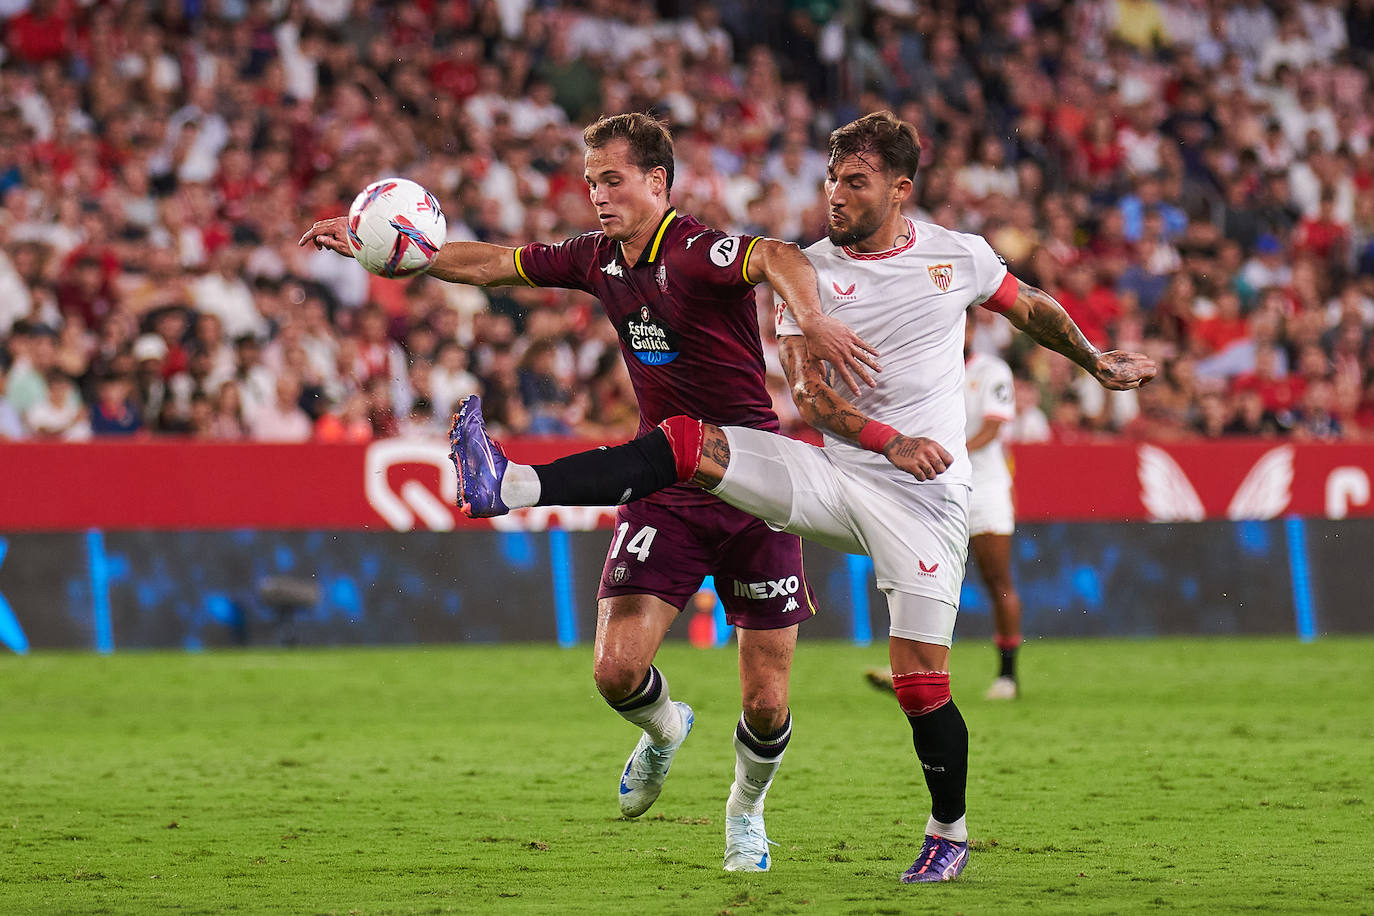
(1008, 663)
(941, 740)
(609, 476)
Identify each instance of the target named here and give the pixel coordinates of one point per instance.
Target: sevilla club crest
(942, 275)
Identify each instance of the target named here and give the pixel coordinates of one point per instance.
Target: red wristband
(874, 436)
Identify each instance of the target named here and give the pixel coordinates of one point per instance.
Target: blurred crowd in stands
(1188, 177)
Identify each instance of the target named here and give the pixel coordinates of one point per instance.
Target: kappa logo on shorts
(772, 588)
(928, 570)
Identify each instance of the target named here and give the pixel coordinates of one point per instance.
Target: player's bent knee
(921, 692)
(615, 680)
(765, 710)
(685, 436)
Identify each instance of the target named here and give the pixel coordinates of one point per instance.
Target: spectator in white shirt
(60, 415)
(223, 293)
(282, 420)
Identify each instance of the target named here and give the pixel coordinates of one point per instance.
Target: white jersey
(988, 393)
(909, 303)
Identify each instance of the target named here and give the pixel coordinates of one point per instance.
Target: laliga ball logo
(395, 228)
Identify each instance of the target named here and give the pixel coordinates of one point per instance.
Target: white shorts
(916, 533)
(990, 510)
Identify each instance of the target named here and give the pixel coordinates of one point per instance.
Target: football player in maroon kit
(681, 295)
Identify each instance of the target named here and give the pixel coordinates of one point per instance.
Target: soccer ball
(395, 228)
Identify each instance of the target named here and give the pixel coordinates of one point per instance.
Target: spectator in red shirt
(41, 33)
(1277, 389)
(1222, 327)
(1323, 235)
(1093, 305)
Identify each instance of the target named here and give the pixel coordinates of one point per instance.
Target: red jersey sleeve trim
(1005, 297)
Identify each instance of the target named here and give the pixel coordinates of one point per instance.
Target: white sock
(520, 486)
(957, 831)
(661, 720)
(754, 772)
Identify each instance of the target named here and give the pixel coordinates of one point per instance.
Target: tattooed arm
(1046, 322)
(821, 406)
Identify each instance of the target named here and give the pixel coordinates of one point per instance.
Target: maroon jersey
(685, 312)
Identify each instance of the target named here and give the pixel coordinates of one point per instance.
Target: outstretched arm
(788, 271)
(1046, 322)
(473, 263)
(822, 407)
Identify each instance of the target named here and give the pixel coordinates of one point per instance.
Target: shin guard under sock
(941, 740)
(609, 476)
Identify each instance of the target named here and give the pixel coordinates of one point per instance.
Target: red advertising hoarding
(408, 484)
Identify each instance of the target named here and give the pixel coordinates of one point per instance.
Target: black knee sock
(941, 739)
(609, 476)
(1008, 663)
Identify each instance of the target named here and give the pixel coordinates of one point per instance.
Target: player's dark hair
(651, 146)
(881, 134)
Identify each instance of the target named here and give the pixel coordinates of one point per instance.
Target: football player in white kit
(989, 404)
(892, 479)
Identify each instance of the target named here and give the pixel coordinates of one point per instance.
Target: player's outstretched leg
(479, 461)
(489, 485)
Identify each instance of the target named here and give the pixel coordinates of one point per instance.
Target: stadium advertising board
(168, 544)
(408, 484)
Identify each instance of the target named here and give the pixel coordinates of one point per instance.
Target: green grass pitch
(1201, 776)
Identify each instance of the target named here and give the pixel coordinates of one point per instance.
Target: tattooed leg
(715, 456)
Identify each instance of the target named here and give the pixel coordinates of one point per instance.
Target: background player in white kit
(990, 404)
(900, 498)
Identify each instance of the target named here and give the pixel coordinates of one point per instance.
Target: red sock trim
(874, 436)
(921, 692)
(1007, 642)
(685, 437)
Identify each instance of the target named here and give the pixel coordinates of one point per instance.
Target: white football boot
(647, 768)
(746, 843)
(1004, 688)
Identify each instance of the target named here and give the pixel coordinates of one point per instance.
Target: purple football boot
(940, 860)
(479, 461)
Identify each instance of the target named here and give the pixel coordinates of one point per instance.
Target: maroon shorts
(666, 551)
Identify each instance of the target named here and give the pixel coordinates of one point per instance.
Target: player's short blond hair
(881, 134)
(651, 145)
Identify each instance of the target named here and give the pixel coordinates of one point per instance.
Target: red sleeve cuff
(1005, 296)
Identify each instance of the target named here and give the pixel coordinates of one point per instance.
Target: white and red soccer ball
(395, 228)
